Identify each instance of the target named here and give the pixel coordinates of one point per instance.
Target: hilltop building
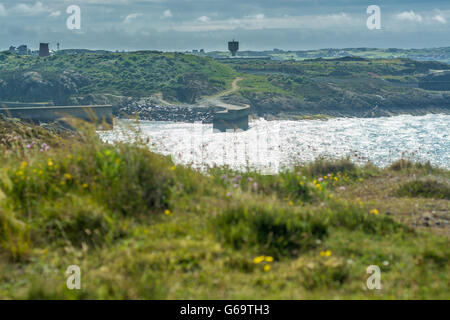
(22, 50)
(233, 46)
(44, 50)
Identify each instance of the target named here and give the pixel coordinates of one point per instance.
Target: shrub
(322, 167)
(14, 237)
(275, 231)
(73, 219)
(428, 188)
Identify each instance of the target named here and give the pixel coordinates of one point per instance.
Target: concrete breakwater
(167, 113)
(39, 113)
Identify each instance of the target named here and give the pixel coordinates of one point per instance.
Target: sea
(271, 146)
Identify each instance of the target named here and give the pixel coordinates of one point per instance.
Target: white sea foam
(270, 145)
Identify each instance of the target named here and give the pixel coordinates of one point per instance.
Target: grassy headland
(141, 227)
(349, 86)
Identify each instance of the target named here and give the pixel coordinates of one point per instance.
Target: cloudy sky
(178, 25)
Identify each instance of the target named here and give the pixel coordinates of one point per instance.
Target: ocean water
(271, 145)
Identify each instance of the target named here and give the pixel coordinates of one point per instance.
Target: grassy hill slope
(140, 227)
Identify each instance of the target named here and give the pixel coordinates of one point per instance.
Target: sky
(179, 25)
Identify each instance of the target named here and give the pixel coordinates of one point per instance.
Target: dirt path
(215, 100)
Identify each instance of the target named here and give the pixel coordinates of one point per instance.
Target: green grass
(139, 74)
(140, 227)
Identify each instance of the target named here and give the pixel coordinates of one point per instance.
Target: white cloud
(131, 17)
(167, 14)
(55, 14)
(440, 18)
(409, 16)
(2, 10)
(259, 22)
(204, 19)
(29, 10)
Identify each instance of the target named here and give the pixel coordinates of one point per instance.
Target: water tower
(233, 46)
(43, 50)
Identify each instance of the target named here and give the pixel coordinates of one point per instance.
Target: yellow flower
(173, 168)
(300, 183)
(258, 259)
(291, 203)
(325, 253)
(85, 185)
(374, 211)
(267, 268)
(50, 162)
(315, 181)
(336, 178)
(325, 177)
(69, 157)
(167, 212)
(24, 164)
(269, 259)
(68, 176)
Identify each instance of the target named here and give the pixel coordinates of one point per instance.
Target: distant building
(233, 46)
(23, 49)
(44, 50)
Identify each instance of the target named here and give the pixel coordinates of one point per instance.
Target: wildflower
(250, 179)
(342, 188)
(267, 268)
(68, 176)
(320, 179)
(167, 212)
(291, 203)
(24, 164)
(315, 181)
(325, 253)
(228, 194)
(236, 186)
(28, 146)
(237, 178)
(336, 178)
(374, 211)
(69, 157)
(224, 177)
(325, 177)
(173, 168)
(301, 183)
(45, 147)
(269, 259)
(255, 185)
(85, 185)
(258, 260)
(50, 162)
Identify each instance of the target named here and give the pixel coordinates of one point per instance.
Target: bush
(275, 231)
(14, 237)
(74, 220)
(428, 188)
(404, 164)
(323, 167)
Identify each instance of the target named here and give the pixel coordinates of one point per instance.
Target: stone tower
(43, 50)
(233, 46)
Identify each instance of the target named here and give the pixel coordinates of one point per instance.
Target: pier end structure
(231, 118)
(45, 112)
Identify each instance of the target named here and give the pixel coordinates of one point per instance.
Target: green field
(348, 86)
(140, 227)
